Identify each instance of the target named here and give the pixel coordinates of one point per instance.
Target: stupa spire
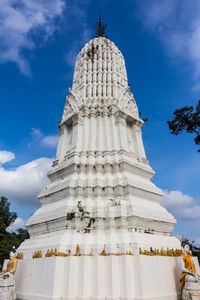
(100, 27)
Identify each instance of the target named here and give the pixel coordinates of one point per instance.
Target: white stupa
(100, 194)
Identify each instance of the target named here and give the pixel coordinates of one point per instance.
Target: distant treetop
(188, 119)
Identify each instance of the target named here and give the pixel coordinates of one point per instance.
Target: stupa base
(135, 277)
(112, 241)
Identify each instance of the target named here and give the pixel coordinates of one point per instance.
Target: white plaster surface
(7, 287)
(100, 196)
(191, 290)
(100, 164)
(98, 277)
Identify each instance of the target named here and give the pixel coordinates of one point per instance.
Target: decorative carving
(78, 253)
(91, 52)
(93, 76)
(100, 27)
(20, 255)
(72, 104)
(37, 254)
(67, 110)
(104, 253)
(127, 103)
(168, 252)
(77, 250)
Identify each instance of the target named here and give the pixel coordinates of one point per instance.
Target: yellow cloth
(189, 265)
(12, 265)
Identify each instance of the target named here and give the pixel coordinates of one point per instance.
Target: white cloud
(19, 21)
(24, 183)
(19, 223)
(175, 199)
(6, 156)
(39, 137)
(50, 140)
(181, 205)
(36, 132)
(177, 25)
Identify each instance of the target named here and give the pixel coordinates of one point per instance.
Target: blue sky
(160, 41)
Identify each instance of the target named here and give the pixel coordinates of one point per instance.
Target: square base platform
(127, 277)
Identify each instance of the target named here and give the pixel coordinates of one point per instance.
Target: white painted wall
(98, 277)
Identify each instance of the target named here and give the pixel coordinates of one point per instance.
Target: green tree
(9, 239)
(22, 234)
(6, 217)
(188, 119)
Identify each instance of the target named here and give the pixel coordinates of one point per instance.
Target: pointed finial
(100, 27)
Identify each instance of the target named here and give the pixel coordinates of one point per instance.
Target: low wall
(134, 277)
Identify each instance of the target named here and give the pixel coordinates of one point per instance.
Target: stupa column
(138, 140)
(74, 132)
(114, 127)
(86, 129)
(108, 131)
(64, 142)
(94, 80)
(114, 77)
(104, 85)
(89, 78)
(99, 138)
(79, 133)
(60, 141)
(122, 131)
(102, 137)
(84, 80)
(93, 122)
